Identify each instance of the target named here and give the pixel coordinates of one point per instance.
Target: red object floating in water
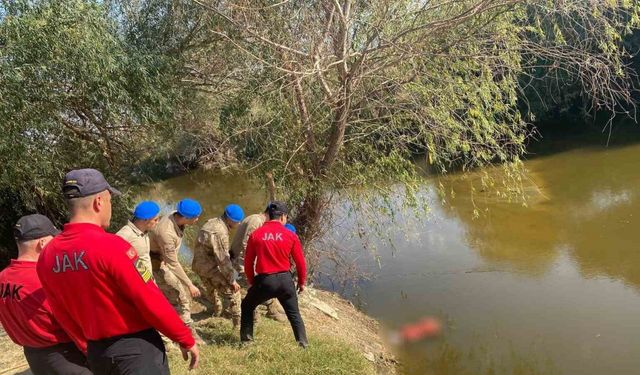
(425, 328)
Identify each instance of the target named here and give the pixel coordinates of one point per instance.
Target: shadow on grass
(203, 315)
(219, 338)
(216, 331)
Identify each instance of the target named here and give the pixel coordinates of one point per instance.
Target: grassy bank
(342, 341)
(274, 352)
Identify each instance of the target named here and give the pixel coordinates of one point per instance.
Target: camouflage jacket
(211, 253)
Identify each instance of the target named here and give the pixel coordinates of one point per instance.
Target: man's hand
(235, 286)
(239, 268)
(195, 292)
(195, 356)
(300, 288)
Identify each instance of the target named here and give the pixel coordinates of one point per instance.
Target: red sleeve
(68, 324)
(148, 298)
(298, 259)
(249, 260)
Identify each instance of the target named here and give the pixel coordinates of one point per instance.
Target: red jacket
(24, 311)
(98, 288)
(270, 248)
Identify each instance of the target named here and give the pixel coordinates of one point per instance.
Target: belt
(55, 347)
(145, 334)
(274, 273)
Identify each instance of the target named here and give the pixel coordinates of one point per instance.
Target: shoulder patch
(142, 269)
(131, 253)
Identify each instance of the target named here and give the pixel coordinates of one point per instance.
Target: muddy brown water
(551, 288)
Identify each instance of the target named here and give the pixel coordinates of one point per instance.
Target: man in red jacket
(268, 250)
(99, 290)
(24, 311)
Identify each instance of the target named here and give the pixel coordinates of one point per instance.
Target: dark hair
(277, 209)
(134, 219)
(275, 216)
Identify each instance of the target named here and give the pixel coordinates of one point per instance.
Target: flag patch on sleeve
(131, 253)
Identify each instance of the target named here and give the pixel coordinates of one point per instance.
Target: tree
(341, 94)
(74, 92)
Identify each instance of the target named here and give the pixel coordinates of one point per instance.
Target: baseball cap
(146, 210)
(85, 182)
(277, 208)
(189, 208)
(32, 227)
(234, 213)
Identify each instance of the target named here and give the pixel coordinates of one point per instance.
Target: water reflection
(548, 291)
(586, 203)
(213, 190)
(552, 288)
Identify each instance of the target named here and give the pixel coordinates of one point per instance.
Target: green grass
(273, 352)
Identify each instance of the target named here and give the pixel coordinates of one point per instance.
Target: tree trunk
(308, 218)
(271, 187)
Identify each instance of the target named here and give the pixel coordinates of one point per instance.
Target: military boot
(217, 304)
(275, 311)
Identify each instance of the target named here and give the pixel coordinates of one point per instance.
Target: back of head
(189, 209)
(146, 210)
(89, 196)
(85, 182)
(277, 209)
(81, 204)
(234, 213)
(32, 232)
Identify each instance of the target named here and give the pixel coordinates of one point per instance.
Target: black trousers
(277, 285)
(140, 353)
(60, 359)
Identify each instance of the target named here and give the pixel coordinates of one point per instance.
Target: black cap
(84, 182)
(32, 227)
(277, 208)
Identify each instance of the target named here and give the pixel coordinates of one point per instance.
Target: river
(550, 288)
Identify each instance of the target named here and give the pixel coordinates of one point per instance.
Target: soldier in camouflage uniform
(211, 261)
(239, 243)
(165, 243)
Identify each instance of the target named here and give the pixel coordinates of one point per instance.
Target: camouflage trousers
(225, 301)
(176, 293)
(274, 310)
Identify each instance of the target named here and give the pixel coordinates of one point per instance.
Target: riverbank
(342, 340)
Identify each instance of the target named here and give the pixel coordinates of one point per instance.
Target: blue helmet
(189, 208)
(146, 210)
(291, 227)
(234, 213)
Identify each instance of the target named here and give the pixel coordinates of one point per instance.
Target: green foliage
(383, 81)
(333, 98)
(584, 61)
(73, 93)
